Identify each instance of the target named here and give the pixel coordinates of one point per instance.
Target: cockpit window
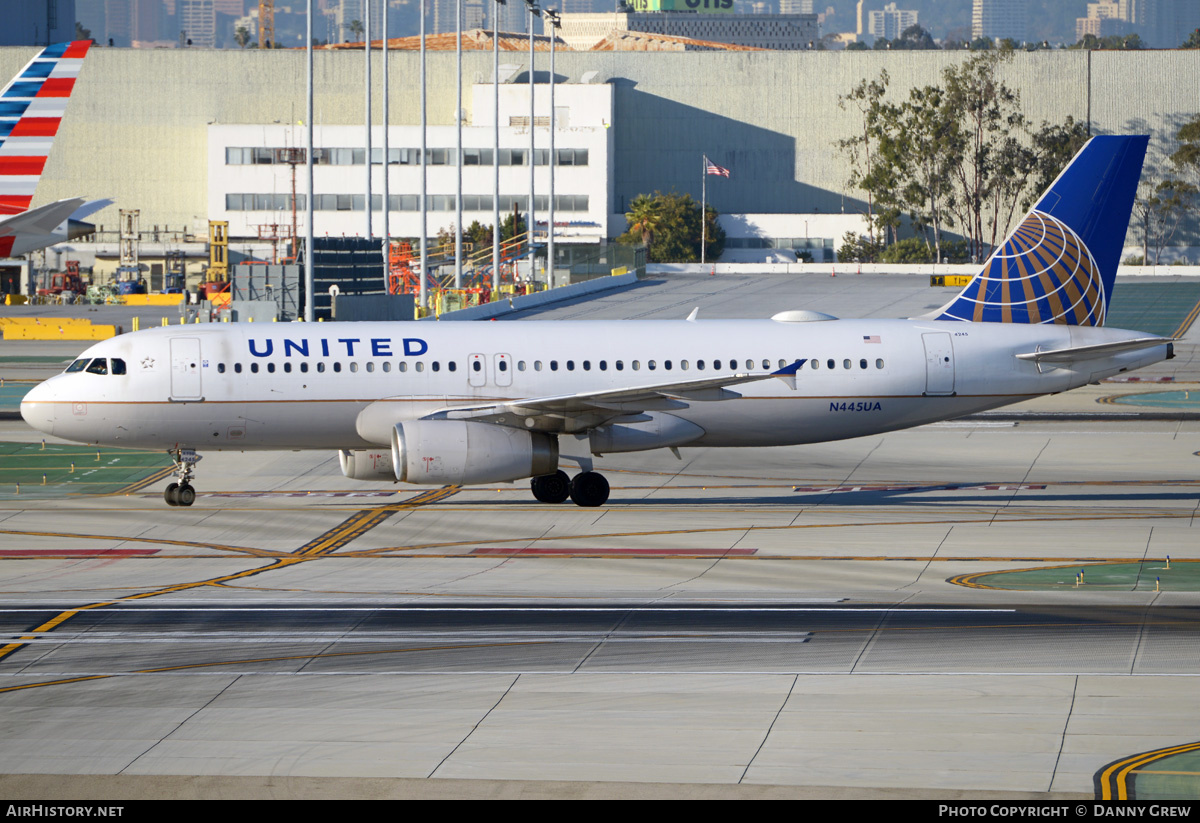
(118, 366)
(98, 366)
(78, 365)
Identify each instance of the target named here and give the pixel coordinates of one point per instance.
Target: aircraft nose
(37, 409)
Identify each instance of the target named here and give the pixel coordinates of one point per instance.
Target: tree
(81, 33)
(355, 27)
(643, 218)
(241, 36)
(678, 234)
(867, 99)
(478, 234)
(1193, 41)
(513, 226)
(914, 38)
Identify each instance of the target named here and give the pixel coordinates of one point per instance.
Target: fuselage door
(185, 368)
(477, 370)
(503, 370)
(939, 363)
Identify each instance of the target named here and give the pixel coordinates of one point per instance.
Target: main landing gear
(182, 493)
(588, 489)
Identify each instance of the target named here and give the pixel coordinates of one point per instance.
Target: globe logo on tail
(1044, 273)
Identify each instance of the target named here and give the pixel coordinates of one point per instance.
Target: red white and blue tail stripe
(31, 108)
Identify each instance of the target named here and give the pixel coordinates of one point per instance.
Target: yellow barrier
(15, 299)
(57, 331)
(152, 299)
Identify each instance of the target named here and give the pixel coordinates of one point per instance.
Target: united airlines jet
(464, 403)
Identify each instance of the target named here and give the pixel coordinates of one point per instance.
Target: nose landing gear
(182, 493)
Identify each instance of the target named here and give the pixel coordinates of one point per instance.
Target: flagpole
(703, 206)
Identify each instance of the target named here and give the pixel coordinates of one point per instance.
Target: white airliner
(462, 403)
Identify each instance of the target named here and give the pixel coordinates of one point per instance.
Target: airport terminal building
(189, 135)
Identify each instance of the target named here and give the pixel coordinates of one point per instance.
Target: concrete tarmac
(790, 622)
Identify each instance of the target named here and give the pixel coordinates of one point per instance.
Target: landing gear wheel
(181, 492)
(589, 489)
(551, 488)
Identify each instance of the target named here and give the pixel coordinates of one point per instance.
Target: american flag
(712, 168)
(871, 338)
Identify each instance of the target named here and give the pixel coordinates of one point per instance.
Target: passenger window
(846, 363)
(816, 364)
(553, 365)
(502, 365)
(537, 365)
(118, 366)
(452, 366)
(403, 366)
(650, 365)
(353, 367)
(271, 368)
(337, 365)
(700, 365)
(220, 368)
(477, 366)
(636, 365)
(287, 366)
(829, 363)
(766, 364)
(237, 368)
(420, 366)
(520, 365)
(667, 365)
(321, 366)
(78, 365)
(386, 366)
(879, 363)
(370, 367)
(587, 365)
(620, 365)
(254, 368)
(603, 365)
(749, 365)
(570, 365)
(862, 364)
(683, 364)
(733, 365)
(98, 366)
(304, 366)
(437, 366)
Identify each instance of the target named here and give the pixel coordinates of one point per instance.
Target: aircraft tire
(589, 489)
(171, 494)
(186, 495)
(551, 488)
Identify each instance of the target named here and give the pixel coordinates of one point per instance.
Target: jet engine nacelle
(367, 464)
(437, 452)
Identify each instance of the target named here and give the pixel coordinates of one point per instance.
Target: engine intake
(437, 452)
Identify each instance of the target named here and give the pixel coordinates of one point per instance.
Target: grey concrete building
(137, 126)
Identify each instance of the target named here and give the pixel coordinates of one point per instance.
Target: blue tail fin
(1060, 263)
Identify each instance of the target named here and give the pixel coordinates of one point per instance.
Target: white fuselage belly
(193, 386)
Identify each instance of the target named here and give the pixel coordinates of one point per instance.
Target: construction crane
(266, 24)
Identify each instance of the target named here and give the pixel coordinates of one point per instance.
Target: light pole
(533, 12)
(553, 17)
(496, 148)
(458, 263)
(367, 52)
(387, 229)
(423, 296)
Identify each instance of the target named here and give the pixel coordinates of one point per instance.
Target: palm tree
(241, 36)
(644, 217)
(356, 28)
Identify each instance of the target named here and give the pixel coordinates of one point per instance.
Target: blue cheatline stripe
(22, 88)
(13, 108)
(38, 68)
(56, 50)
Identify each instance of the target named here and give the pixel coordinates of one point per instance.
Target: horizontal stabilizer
(42, 220)
(1078, 354)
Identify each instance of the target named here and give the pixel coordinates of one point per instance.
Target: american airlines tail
(1059, 265)
(31, 108)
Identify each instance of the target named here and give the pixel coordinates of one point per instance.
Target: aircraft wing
(42, 220)
(577, 412)
(1076, 354)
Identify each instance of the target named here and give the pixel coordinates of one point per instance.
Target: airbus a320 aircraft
(462, 403)
(31, 109)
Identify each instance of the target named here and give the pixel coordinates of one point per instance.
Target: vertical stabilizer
(31, 108)
(1059, 265)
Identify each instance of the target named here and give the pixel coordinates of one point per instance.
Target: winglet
(691, 318)
(788, 373)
